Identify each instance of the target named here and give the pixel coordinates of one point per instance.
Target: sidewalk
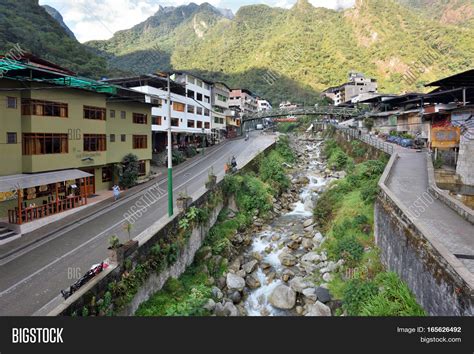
(95, 205)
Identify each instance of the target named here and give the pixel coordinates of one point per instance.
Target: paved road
(409, 182)
(31, 282)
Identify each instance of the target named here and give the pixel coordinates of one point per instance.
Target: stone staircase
(6, 233)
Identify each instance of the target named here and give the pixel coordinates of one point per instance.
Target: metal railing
(357, 134)
(311, 110)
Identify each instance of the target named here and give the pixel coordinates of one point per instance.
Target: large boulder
(317, 309)
(252, 281)
(298, 284)
(287, 259)
(310, 295)
(230, 309)
(235, 282)
(308, 222)
(283, 297)
(323, 294)
(249, 267)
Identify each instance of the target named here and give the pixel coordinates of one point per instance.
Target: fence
(357, 134)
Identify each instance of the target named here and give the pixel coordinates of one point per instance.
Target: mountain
(454, 12)
(26, 23)
(295, 53)
(59, 18)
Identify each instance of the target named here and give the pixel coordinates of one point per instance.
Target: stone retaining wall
(440, 282)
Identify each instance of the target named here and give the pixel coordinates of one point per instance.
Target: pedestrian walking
(116, 190)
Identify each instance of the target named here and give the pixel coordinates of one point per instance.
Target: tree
(129, 175)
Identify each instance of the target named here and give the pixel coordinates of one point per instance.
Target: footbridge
(331, 111)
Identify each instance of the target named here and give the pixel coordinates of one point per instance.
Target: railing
(41, 211)
(324, 110)
(357, 134)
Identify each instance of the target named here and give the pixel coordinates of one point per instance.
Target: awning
(21, 181)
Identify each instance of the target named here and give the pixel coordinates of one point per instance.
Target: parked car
(259, 127)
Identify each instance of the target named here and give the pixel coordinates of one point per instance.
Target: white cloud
(100, 19)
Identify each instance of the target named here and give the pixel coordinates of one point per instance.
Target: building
(263, 105)
(220, 110)
(63, 137)
(190, 108)
(243, 101)
(357, 85)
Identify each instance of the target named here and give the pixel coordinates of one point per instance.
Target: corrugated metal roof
(14, 182)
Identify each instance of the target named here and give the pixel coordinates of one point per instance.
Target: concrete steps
(6, 233)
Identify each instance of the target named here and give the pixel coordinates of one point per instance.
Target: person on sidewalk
(116, 190)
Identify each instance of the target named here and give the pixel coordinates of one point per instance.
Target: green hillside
(28, 24)
(296, 53)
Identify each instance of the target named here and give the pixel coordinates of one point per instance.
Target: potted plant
(212, 179)
(116, 250)
(184, 200)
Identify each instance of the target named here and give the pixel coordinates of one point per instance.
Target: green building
(53, 121)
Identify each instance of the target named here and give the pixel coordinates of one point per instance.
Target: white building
(220, 110)
(263, 105)
(190, 108)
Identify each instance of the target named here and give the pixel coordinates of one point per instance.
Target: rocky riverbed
(281, 271)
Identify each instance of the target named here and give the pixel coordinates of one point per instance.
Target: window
(156, 102)
(156, 120)
(190, 93)
(95, 142)
(190, 108)
(139, 118)
(96, 113)
(221, 98)
(199, 124)
(44, 143)
(178, 107)
(206, 125)
(11, 138)
(199, 96)
(123, 138)
(44, 108)
(206, 112)
(191, 79)
(11, 102)
(199, 83)
(174, 122)
(142, 168)
(112, 113)
(107, 174)
(190, 123)
(139, 141)
(112, 138)
(199, 110)
(207, 99)
(123, 114)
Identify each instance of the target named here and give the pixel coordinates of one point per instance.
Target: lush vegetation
(345, 214)
(129, 174)
(26, 23)
(187, 295)
(293, 54)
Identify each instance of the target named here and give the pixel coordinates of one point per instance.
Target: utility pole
(170, 153)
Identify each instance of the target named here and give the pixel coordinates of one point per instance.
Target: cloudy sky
(99, 19)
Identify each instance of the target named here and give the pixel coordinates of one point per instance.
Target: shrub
(129, 176)
(369, 191)
(356, 293)
(271, 170)
(284, 150)
(178, 157)
(338, 159)
(349, 249)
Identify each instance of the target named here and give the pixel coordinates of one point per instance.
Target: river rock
(283, 297)
(311, 257)
(308, 222)
(249, 267)
(287, 274)
(235, 265)
(327, 277)
(287, 259)
(275, 237)
(307, 243)
(298, 284)
(235, 282)
(210, 305)
(323, 294)
(309, 228)
(318, 238)
(230, 309)
(236, 297)
(217, 293)
(299, 310)
(219, 310)
(252, 281)
(294, 245)
(310, 295)
(317, 309)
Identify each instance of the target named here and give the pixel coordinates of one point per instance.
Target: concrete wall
(439, 281)
(465, 166)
